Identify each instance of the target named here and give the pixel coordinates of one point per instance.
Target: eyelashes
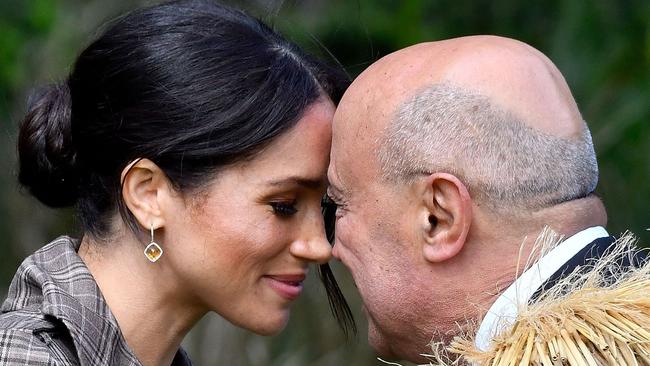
(280, 208)
(284, 209)
(328, 203)
(328, 208)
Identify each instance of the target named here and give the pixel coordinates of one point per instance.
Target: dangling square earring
(153, 251)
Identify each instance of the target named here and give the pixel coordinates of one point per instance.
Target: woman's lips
(287, 286)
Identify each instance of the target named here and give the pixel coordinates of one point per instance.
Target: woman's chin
(269, 325)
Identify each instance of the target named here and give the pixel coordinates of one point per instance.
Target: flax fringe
(597, 315)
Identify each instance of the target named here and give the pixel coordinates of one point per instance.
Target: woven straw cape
(597, 315)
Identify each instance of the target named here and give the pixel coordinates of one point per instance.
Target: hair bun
(47, 157)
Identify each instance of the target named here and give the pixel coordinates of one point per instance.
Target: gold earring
(153, 251)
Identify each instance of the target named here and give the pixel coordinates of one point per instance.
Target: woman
(193, 142)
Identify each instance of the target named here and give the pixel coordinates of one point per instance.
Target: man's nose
(335, 250)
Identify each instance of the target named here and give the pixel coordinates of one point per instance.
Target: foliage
(602, 48)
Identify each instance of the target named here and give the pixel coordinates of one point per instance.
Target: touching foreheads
(504, 163)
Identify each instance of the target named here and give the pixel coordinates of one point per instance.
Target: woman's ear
(448, 217)
(143, 185)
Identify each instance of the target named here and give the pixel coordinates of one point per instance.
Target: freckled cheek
(262, 245)
(240, 247)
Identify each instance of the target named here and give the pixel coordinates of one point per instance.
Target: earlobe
(449, 216)
(142, 185)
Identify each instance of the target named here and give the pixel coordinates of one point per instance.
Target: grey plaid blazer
(55, 314)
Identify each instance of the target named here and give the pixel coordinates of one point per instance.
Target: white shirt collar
(504, 310)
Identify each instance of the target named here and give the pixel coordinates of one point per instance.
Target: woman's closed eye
(284, 209)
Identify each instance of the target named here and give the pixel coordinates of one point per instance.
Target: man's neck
(505, 244)
(570, 217)
(508, 248)
(504, 310)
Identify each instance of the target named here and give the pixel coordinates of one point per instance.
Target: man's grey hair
(503, 162)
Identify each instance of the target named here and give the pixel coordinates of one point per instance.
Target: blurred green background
(602, 48)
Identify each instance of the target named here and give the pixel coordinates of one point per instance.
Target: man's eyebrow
(334, 190)
(310, 183)
(333, 186)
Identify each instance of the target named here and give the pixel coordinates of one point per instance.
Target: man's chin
(388, 348)
(379, 343)
(391, 350)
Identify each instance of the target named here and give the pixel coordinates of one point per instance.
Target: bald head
(493, 111)
(445, 156)
(513, 75)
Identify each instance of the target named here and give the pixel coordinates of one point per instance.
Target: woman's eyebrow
(310, 183)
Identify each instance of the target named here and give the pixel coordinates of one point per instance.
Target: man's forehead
(354, 147)
(361, 117)
(372, 100)
(344, 158)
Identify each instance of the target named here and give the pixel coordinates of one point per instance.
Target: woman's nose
(312, 246)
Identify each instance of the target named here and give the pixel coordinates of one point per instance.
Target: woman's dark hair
(191, 85)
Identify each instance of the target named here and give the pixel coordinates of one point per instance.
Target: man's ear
(143, 185)
(448, 208)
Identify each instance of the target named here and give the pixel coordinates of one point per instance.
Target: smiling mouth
(288, 287)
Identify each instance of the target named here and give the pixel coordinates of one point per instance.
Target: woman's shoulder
(27, 334)
(23, 319)
(29, 337)
(21, 347)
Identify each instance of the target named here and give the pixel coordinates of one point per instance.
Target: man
(448, 159)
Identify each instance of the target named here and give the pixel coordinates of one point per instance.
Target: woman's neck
(150, 307)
